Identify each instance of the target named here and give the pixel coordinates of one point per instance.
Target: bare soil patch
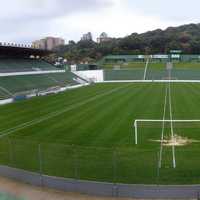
(176, 140)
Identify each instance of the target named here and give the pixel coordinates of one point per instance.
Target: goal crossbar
(158, 120)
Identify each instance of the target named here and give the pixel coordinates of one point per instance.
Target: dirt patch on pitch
(176, 140)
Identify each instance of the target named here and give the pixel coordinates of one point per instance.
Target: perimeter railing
(131, 164)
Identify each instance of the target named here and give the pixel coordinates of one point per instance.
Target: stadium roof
(22, 51)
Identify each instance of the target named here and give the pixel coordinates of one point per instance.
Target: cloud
(33, 19)
(47, 9)
(177, 10)
(116, 21)
(28, 20)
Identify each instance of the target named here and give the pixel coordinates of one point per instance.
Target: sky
(23, 21)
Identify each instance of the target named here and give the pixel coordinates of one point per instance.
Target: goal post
(137, 121)
(146, 66)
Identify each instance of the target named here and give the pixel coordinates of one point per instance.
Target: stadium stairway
(4, 94)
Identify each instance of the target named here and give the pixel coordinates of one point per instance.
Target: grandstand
(8, 65)
(152, 74)
(23, 83)
(123, 58)
(113, 59)
(152, 67)
(20, 59)
(22, 71)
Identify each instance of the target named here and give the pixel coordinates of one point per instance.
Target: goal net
(153, 129)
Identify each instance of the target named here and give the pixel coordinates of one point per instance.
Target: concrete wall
(6, 101)
(93, 75)
(31, 73)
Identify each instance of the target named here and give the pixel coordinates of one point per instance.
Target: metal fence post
(114, 155)
(114, 164)
(76, 168)
(40, 163)
(10, 152)
(158, 167)
(75, 163)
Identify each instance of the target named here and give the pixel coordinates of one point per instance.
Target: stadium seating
(22, 65)
(22, 83)
(3, 95)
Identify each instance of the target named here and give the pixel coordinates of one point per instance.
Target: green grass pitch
(88, 133)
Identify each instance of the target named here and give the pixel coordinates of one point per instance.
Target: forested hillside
(185, 38)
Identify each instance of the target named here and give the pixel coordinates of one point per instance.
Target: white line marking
(152, 81)
(56, 113)
(163, 128)
(172, 129)
(145, 70)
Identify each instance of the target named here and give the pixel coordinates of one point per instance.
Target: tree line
(185, 38)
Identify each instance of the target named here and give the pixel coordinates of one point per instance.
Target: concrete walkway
(28, 192)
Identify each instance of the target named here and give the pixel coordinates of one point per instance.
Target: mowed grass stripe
(104, 122)
(80, 119)
(186, 101)
(13, 114)
(85, 122)
(56, 113)
(119, 129)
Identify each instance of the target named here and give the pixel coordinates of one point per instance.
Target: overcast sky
(23, 21)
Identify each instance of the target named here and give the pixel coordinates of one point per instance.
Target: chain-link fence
(114, 165)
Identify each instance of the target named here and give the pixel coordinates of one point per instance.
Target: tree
(185, 38)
